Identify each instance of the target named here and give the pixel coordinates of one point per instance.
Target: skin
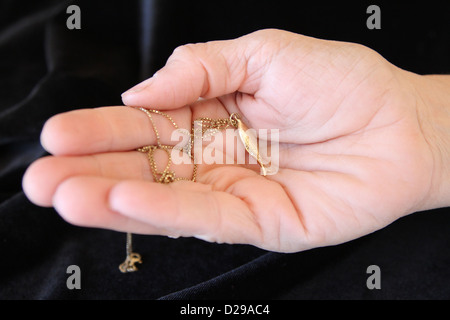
(362, 143)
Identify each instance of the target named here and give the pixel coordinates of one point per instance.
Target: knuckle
(184, 50)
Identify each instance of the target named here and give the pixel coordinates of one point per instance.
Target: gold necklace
(209, 127)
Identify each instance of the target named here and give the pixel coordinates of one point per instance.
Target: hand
(354, 154)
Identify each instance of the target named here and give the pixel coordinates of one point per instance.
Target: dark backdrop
(46, 69)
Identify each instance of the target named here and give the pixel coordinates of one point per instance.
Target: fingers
(178, 209)
(205, 70)
(92, 141)
(107, 129)
(43, 177)
(187, 209)
(193, 71)
(83, 201)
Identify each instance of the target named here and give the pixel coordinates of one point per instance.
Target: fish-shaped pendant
(249, 140)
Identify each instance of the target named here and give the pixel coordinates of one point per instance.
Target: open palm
(352, 154)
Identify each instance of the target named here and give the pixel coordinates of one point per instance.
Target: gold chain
(208, 125)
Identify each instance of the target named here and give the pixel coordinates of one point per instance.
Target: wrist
(433, 111)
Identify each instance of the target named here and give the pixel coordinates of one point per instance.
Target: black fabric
(47, 69)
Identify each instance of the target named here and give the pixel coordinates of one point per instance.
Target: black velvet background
(46, 69)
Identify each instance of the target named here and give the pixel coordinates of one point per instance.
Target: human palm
(352, 155)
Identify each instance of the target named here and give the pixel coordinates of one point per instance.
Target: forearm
(433, 105)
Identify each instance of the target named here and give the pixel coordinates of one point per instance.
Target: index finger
(106, 129)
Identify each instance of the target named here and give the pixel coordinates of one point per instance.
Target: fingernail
(140, 87)
(135, 89)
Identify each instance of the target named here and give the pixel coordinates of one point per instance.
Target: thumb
(206, 70)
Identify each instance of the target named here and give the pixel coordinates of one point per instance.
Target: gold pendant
(249, 140)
